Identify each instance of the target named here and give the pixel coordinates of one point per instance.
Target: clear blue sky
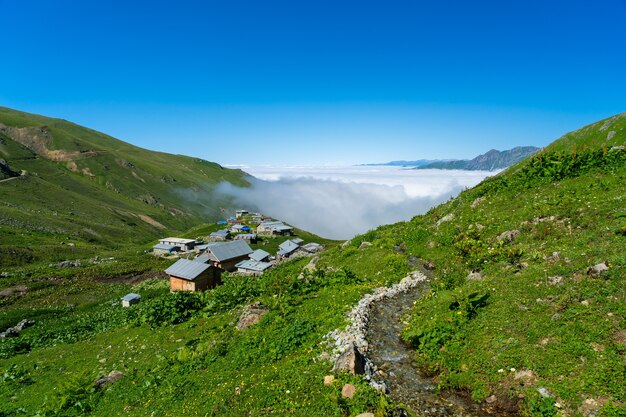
(317, 81)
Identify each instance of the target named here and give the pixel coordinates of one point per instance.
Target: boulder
(477, 202)
(17, 329)
(508, 236)
(445, 218)
(555, 280)
(348, 391)
(328, 380)
(429, 265)
(251, 315)
(311, 266)
(474, 276)
(597, 270)
(110, 378)
(364, 245)
(350, 360)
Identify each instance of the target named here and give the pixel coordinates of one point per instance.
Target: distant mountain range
(490, 161)
(417, 163)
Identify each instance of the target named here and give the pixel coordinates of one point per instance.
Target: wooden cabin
(188, 275)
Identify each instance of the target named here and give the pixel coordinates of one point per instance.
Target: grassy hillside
(514, 308)
(538, 321)
(82, 186)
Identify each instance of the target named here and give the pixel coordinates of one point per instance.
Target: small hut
(130, 299)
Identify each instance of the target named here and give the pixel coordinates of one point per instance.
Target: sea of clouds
(341, 202)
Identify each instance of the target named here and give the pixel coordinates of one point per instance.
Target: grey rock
(555, 280)
(66, 264)
(508, 236)
(611, 135)
(350, 360)
(597, 270)
(477, 202)
(445, 218)
(17, 329)
(364, 245)
(474, 276)
(112, 377)
(251, 315)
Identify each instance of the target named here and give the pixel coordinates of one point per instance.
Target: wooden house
(226, 255)
(188, 275)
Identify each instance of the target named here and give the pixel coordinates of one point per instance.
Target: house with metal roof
(312, 247)
(225, 255)
(161, 249)
(287, 248)
(251, 267)
(240, 213)
(249, 237)
(184, 244)
(220, 235)
(259, 255)
(275, 228)
(188, 275)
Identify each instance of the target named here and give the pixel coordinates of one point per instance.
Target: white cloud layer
(340, 202)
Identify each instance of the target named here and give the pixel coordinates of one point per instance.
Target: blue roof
(246, 228)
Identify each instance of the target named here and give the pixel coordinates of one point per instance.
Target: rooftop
(259, 255)
(229, 250)
(187, 269)
(251, 265)
(177, 240)
(287, 247)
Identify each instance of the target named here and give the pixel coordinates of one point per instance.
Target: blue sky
(317, 82)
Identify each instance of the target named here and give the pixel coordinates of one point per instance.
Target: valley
(522, 314)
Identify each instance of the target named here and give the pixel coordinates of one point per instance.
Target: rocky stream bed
(371, 344)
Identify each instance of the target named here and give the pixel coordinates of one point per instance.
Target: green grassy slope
(99, 191)
(548, 324)
(559, 328)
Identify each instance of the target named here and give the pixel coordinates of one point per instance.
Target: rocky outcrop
(350, 360)
(17, 329)
(251, 315)
(112, 377)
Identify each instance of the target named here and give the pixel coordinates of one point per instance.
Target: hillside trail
(406, 384)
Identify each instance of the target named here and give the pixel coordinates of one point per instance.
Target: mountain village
(200, 263)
